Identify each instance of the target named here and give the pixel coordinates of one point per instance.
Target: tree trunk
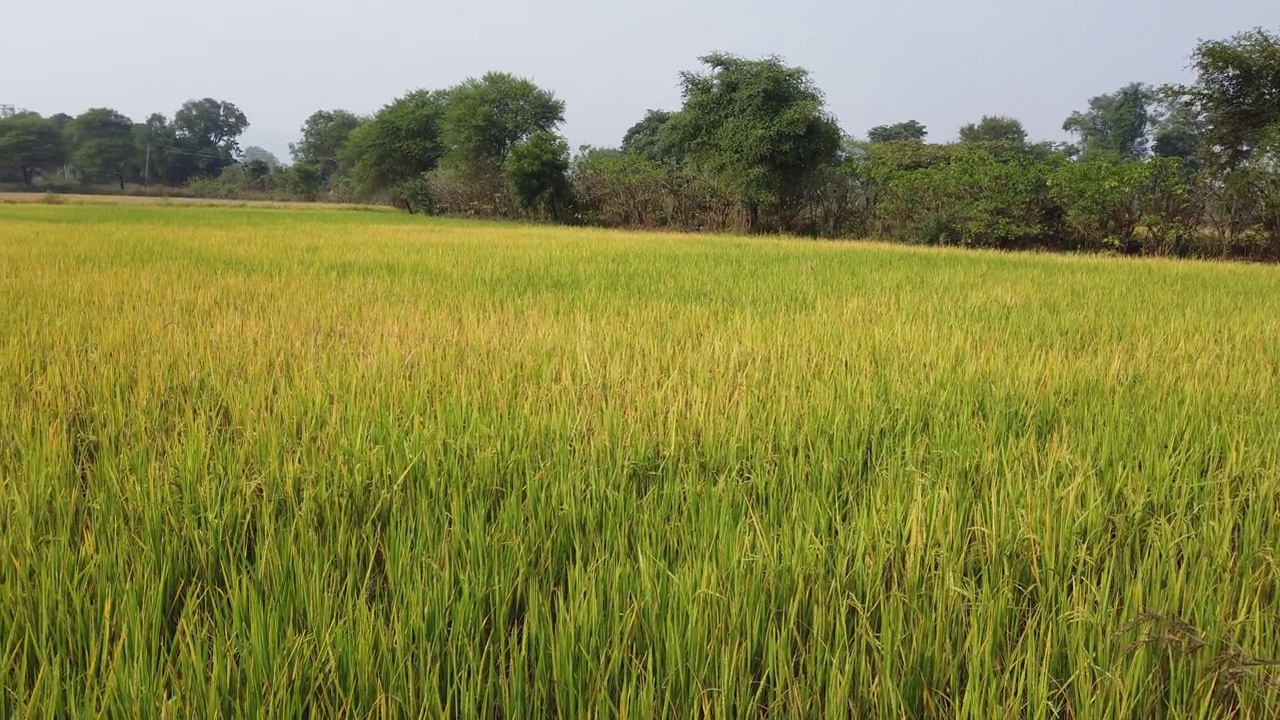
(28, 174)
(120, 177)
(753, 218)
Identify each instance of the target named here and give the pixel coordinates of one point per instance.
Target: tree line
(1189, 169)
(103, 145)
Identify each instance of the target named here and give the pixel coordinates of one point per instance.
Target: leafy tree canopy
(208, 130)
(646, 138)
(994, 129)
(486, 117)
(760, 126)
(537, 170)
(1117, 123)
(1236, 95)
(104, 145)
(909, 131)
(400, 143)
(29, 143)
(323, 135)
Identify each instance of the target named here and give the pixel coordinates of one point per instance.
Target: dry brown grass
(47, 198)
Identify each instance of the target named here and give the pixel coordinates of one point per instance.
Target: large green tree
(1178, 130)
(30, 143)
(398, 145)
(160, 154)
(104, 145)
(324, 134)
(1117, 123)
(647, 139)
(486, 117)
(908, 131)
(994, 129)
(1236, 93)
(208, 131)
(761, 127)
(537, 169)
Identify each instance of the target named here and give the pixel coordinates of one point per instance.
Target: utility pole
(146, 167)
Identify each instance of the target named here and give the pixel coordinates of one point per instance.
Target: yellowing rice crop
(317, 463)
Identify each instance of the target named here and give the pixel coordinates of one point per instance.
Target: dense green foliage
(909, 131)
(207, 132)
(647, 139)
(29, 143)
(324, 134)
(347, 464)
(994, 129)
(760, 129)
(1169, 171)
(486, 117)
(1115, 124)
(1188, 170)
(199, 142)
(1237, 92)
(390, 154)
(104, 143)
(536, 167)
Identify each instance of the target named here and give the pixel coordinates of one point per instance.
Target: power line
(187, 151)
(200, 154)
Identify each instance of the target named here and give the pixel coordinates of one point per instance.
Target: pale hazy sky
(942, 62)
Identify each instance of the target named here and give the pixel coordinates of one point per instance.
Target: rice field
(317, 463)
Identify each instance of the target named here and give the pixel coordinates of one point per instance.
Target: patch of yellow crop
(318, 462)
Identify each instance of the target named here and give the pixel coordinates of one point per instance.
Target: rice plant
(281, 463)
